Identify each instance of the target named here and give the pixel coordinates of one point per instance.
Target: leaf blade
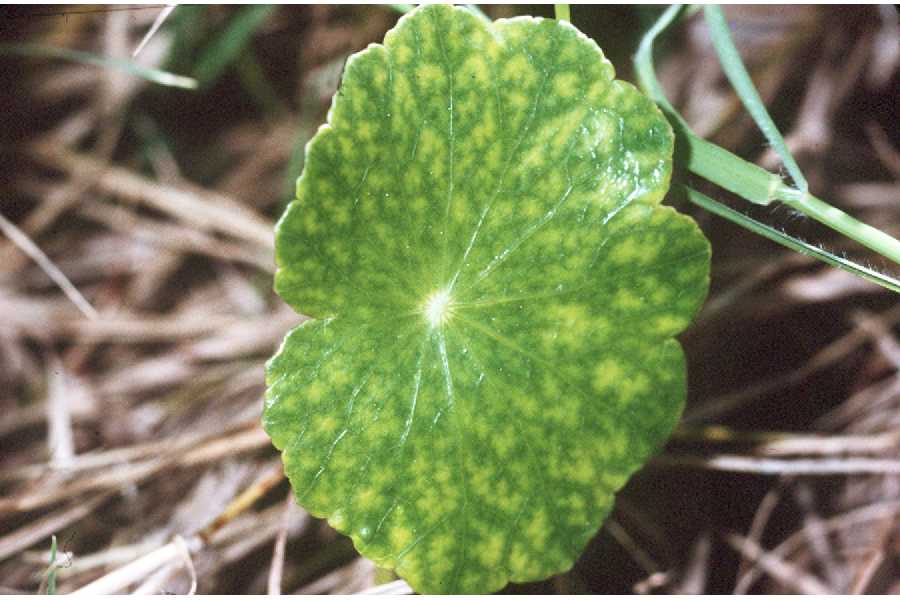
(478, 234)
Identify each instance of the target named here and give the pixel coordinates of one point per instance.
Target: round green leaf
(494, 291)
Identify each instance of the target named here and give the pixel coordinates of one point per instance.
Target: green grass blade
(229, 44)
(254, 81)
(787, 240)
(126, 66)
(746, 91)
(51, 570)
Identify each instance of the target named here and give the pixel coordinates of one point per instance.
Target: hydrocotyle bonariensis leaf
(493, 290)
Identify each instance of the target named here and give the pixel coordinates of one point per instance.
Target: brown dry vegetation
(129, 421)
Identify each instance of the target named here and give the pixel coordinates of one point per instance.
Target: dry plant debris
(134, 436)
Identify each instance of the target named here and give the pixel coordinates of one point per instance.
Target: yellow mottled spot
(563, 414)
(569, 53)
(338, 520)
(341, 215)
(581, 470)
(430, 500)
(504, 442)
(634, 386)
(400, 536)
(347, 144)
(518, 100)
(529, 406)
(531, 208)
(607, 374)
(476, 69)
(403, 54)
(380, 78)
(429, 75)
(576, 504)
(491, 551)
(340, 377)
(310, 223)
(518, 559)
(517, 69)
(627, 301)
(570, 315)
(442, 474)
(597, 91)
(366, 498)
(626, 252)
(315, 391)
(565, 84)
(612, 481)
(669, 324)
(327, 425)
(460, 208)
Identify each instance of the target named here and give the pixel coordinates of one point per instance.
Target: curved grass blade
(737, 74)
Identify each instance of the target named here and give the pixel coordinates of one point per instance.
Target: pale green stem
(562, 12)
(788, 241)
(744, 178)
(838, 220)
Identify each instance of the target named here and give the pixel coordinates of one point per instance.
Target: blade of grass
(51, 570)
(126, 66)
(253, 79)
(229, 44)
(737, 74)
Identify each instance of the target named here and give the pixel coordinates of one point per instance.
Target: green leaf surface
(494, 291)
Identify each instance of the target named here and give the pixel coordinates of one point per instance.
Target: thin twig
(185, 553)
(773, 466)
(160, 19)
(784, 572)
(757, 528)
(194, 206)
(864, 577)
(392, 588)
(766, 443)
(25, 244)
(853, 518)
(277, 569)
(42, 528)
(133, 572)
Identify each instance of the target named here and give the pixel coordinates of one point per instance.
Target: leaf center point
(438, 308)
